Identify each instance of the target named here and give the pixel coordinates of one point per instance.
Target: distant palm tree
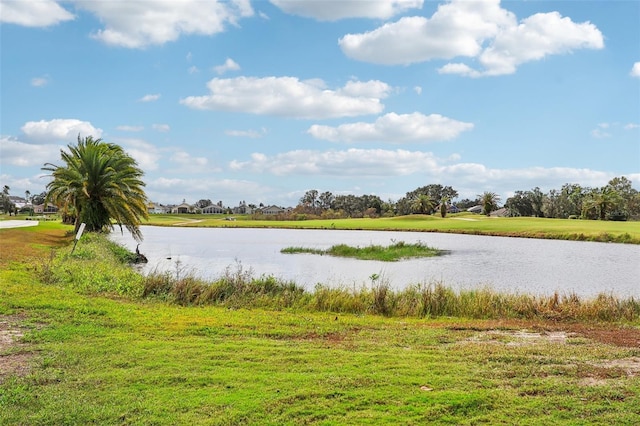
(489, 202)
(422, 204)
(98, 184)
(444, 204)
(602, 201)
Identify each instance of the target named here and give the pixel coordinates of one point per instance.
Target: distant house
(499, 213)
(155, 208)
(242, 209)
(451, 208)
(182, 208)
(273, 210)
(213, 209)
(42, 209)
(475, 209)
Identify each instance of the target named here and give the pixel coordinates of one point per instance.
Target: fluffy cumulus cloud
(323, 10)
(348, 163)
(229, 65)
(483, 31)
(22, 154)
(58, 130)
(41, 13)
(291, 97)
(635, 70)
(142, 23)
(146, 155)
(394, 128)
(468, 178)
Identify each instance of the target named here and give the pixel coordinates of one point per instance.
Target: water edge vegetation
(391, 253)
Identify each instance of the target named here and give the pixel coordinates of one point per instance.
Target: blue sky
(261, 101)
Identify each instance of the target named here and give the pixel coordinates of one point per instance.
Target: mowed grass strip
(391, 253)
(464, 223)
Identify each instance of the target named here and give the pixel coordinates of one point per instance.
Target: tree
(325, 199)
(600, 202)
(201, 204)
(444, 204)
(434, 191)
(422, 204)
(489, 202)
(38, 199)
(7, 204)
(519, 204)
(98, 183)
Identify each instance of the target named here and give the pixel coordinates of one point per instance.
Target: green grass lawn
(113, 361)
(591, 230)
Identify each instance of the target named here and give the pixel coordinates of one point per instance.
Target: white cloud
(172, 190)
(600, 134)
(394, 128)
(142, 23)
(631, 126)
(469, 179)
(146, 155)
(59, 130)
(290, 97)
(161, 127)
(535, 38)
(253, 134)
(352, 162)
(418, 90)
(635, 70)
(125, 128)
(190, 162)
(41, 13)
(229, 65)
(40, 81)
(324, 10)
(149, 98)
(473, 29)
(21, 154)
(455, 29)
(193, 70)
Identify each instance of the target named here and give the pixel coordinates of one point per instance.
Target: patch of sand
(12, 361)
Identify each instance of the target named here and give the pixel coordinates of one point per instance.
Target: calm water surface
(506, 264)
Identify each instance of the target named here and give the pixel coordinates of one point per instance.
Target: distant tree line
(617, 200)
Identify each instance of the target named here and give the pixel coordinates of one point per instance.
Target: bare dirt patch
(611, 334)
(13, 361)
(21, 244)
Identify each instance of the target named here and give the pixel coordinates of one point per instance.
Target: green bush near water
(394, 252)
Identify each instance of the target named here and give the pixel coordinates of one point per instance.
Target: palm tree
(422, 204)
(602, 201)
(98, 184)
(489, 201)
(444, 204)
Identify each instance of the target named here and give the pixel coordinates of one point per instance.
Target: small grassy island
(393, 253)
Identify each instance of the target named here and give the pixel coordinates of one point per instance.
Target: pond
(515, 265)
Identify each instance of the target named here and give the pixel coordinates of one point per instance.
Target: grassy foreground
(463, 223)
(91, 355)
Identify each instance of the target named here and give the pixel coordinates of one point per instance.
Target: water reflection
(505, 264)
